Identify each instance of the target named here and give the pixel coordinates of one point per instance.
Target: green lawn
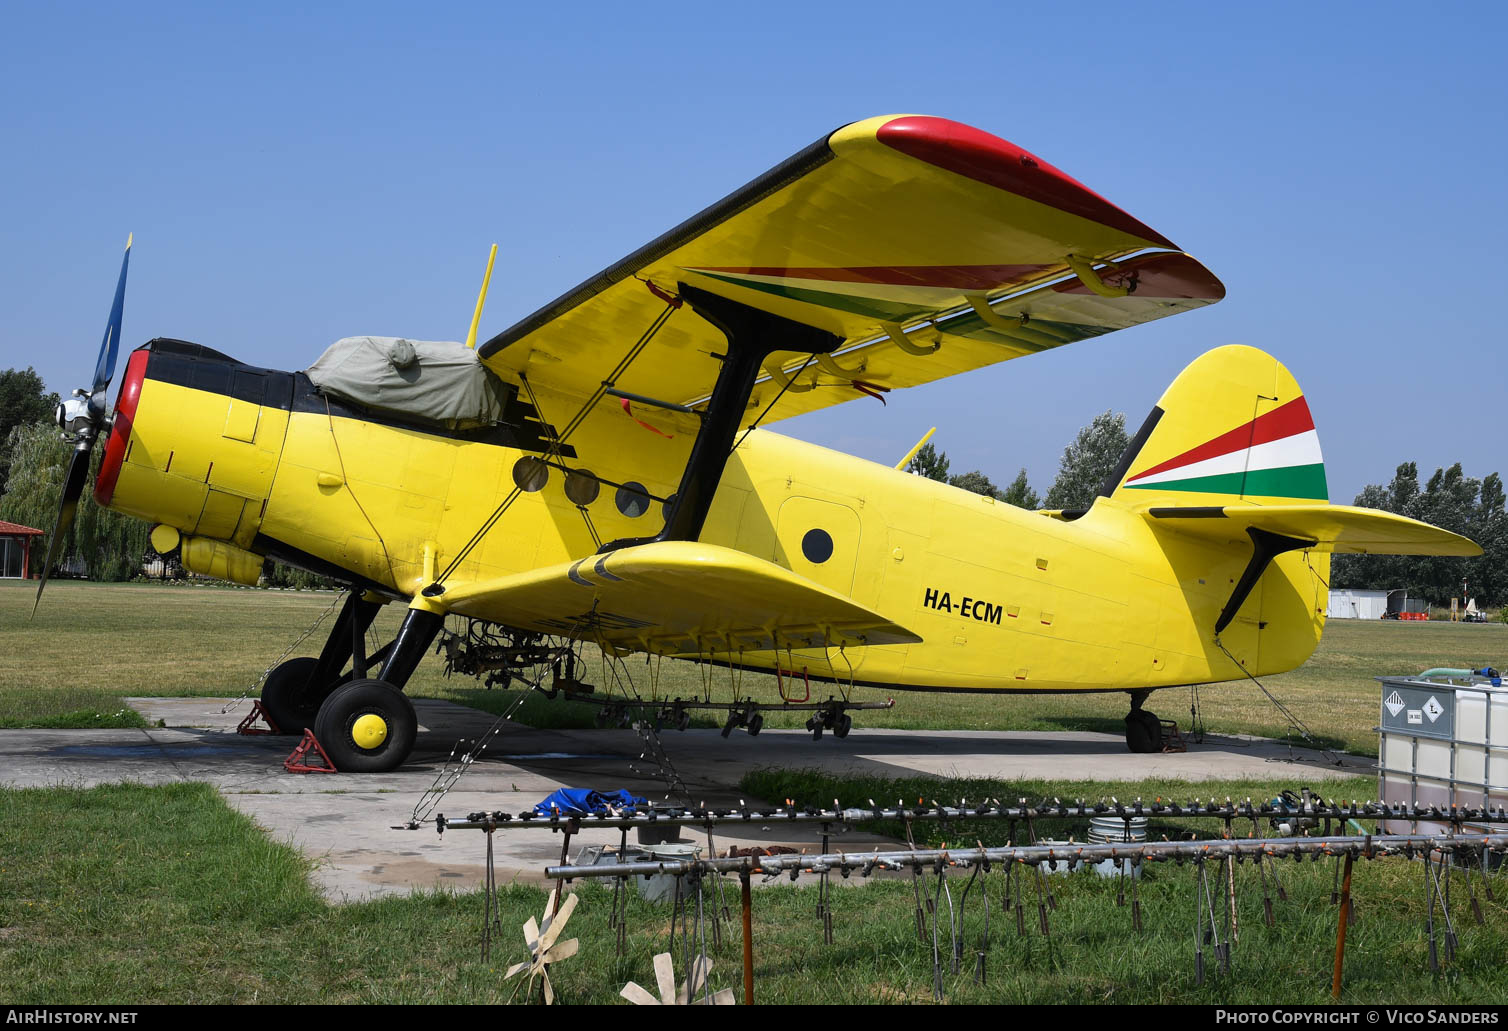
(92, 644)
(128, 894)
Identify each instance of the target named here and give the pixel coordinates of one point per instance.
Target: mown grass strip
(151, 639)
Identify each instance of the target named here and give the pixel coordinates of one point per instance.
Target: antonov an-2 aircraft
(593, 472)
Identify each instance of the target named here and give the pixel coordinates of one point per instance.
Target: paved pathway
(348, 823)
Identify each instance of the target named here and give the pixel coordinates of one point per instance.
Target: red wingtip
(988, 159)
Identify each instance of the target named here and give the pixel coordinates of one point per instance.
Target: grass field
(92, 644)
(129, 894)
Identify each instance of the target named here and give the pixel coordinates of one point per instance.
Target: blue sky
(294, 175)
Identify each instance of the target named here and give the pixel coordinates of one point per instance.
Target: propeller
(82, 419)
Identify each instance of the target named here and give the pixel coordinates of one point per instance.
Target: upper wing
(896, 234)
(677, 597)
(1337, 528)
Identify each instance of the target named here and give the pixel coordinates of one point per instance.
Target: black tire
(289, 700)
(756, 724)
(337, 727)
(1143, 732)
(842, 725)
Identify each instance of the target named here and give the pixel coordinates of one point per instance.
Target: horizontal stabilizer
(1343, 529)
(677, 598)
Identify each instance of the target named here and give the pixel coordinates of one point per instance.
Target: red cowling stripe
(120, 430)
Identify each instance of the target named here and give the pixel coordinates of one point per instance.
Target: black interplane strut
(753, 335)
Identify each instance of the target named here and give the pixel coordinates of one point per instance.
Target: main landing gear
(365, 724)
(1143, 728)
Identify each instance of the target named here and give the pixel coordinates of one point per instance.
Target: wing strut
(753, 335)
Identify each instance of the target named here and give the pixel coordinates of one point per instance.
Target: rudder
(1232, 426)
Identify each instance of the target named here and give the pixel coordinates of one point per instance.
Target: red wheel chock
(308, 748)
(1172, 741)
(257, 712)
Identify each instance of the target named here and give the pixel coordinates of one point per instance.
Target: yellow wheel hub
(369, 731)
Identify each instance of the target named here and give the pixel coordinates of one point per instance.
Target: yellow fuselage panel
(1004, 599)
(200, 461)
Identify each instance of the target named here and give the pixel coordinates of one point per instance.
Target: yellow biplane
(595, 472)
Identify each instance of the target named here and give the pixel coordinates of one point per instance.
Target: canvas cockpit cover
(437, 381)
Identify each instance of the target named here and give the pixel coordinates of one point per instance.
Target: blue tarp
(581, 801)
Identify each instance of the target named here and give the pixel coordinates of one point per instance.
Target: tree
(930, 462)
(977, 482)
(276, 574)
(110, 545)
(1020, 494)
(23, 400)
(1088, 461)
(1453, 501)
(1490, 579)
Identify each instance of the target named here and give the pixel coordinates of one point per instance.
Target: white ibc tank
(1444, 742)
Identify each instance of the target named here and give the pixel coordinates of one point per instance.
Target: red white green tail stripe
(1274, 455)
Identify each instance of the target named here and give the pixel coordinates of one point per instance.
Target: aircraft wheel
(756, 724)
(1143, 732)
(842, 725)
(367, 726)
(290, 700)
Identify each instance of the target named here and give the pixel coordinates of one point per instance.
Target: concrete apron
(352, 825)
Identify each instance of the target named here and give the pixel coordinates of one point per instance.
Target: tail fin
(1233, 426)
(1228, 474)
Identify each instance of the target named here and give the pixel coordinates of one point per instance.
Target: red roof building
(15, 549)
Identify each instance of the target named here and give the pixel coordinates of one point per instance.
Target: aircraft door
(819, 540)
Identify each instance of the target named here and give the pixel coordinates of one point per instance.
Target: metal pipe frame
(1072, 856)
(1247, 810)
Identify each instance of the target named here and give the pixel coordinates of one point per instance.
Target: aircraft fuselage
(1004, 599)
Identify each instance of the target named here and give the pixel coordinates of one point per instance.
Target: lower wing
(677, 598)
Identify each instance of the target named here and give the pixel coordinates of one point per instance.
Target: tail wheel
(367, 726)
(289, 699)
(1143, 731)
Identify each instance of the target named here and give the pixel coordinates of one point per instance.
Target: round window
(632, 499)
(817, 546)
(582, 487)
(530, 474)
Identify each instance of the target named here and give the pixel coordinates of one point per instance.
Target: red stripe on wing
(949, 277)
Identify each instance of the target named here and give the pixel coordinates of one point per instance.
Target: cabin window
(581, 487)
(530, 474)
(632, 499)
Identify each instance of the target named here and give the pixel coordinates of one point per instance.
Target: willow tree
(111, 546)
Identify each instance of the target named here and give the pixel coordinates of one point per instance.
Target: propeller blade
(638, 996)
(104, 370)
(73, 489)
(665, 978)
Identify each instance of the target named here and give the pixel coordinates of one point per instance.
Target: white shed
(1348, 603)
